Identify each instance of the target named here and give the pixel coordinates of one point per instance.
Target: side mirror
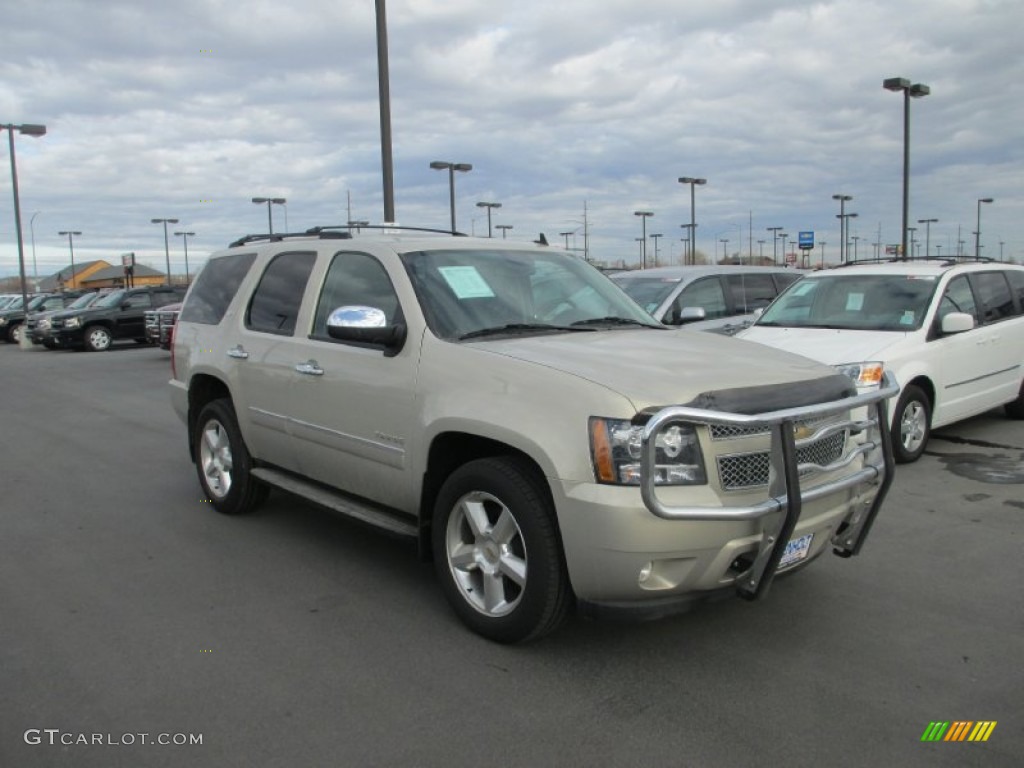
(127, 304)
(690, 315)
(957, 322)
(365, 325)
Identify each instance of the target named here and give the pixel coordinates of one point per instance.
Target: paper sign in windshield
(466, 282)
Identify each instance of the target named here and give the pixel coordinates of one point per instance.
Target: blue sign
(806, 239)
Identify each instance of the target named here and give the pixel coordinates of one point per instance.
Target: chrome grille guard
(781, 510)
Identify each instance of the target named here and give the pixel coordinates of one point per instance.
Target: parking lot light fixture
(270, 201)
(442, 165)
(566, 236)
(775, 243)
(693, 182)
(504, 229)
(184, 239)
(977, 230)
(843, 199)
(643, 240)
(916, 91)
(782, 237)
(927, 235)
(26, 129)
(71, 246)
(167, 247)
(655, 237)
(489, 207)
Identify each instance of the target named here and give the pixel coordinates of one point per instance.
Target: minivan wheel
(912, 423)
(223, 461)
(1015, 408)
(97, 339)
(497, 552)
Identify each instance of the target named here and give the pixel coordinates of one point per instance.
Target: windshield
(35, 303)
(476, 293)
(648, 292)
(856, 302)
(110, 300)
(83, 301)
(16, 303)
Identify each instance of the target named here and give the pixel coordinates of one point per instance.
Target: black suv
(12, 318)
(119, 315)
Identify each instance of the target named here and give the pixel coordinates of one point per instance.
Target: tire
(1015, 408)
(497, 551)
(97, 338)
(911, 425)
(223, 462)
(14, 333)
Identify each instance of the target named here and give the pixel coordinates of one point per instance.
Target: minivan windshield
(890, 302)
(473, 294)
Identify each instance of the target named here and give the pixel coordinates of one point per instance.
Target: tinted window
(750, 292)
(994, 295)
(275, 304)
(1016, 278)
(165, 297)
(354, 279)
(215, 287)
(137, 300)
(648, 292)
(957, 298)
(706, 293)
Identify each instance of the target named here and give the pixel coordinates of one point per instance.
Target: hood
(654, 367)
(828, 345)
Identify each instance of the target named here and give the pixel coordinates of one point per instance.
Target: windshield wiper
(513, 328)
(612, 320)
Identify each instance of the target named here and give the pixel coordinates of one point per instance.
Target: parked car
(951, 332)
(160, 325)
(544, 449)
(37, 326)
(118, 315)
(718, 298)
(13, 317)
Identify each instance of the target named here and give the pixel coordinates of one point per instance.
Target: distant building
(113, 277)
(66, 280)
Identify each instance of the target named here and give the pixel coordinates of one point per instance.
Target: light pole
(842, 223)
(655, 239)
(489, 207)
(822, 244)
(977, 231)
(855, 239)
(269, 201)
(844, 228)
(725, 248)
(71, 246)
(384, 97)
(775, 244)
(643, 242)
(184, 239)
(783, 236)
(167, 247)
(442, 165)
(917, 90)
(504, 229)
(927, 235)
(688, 241)
(566, 236)
(27, 129)
(760, 251)
(913, 240)
(693, 182)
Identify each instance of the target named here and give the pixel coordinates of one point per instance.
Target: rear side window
(1016, 278)
(994, 295)
(275, 303)
(215, 287)
(750, 292)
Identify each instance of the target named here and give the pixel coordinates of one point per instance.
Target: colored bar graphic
(958, 730)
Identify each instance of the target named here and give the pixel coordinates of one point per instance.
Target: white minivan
(952, 333)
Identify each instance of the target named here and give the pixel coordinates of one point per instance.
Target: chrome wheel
(97, 339)
(913, 426)
(486, 554)
(215, 458)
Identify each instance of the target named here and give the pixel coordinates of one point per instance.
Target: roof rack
(277, 237)
(381, 227)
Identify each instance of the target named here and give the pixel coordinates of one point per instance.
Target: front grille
(750, 470)
(732, 431)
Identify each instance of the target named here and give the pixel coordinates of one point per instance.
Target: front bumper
(660, 548)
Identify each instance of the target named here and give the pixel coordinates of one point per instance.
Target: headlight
(72, 322)
(3, 321)
(864, 375)
(615, 450)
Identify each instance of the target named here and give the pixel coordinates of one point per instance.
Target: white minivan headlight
(615, 449)
(864, 375)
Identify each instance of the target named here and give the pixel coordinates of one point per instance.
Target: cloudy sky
(188, 109)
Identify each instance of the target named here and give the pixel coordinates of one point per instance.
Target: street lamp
(725, 248)
(760, 251)
(27, 129)
(504, 229)
(775, 243)
(71, 247)
(822, 243)
(489, 207)
(855, 239)
(693, 182)
(167, 247)
(917, 90)
(927, 235)
(566, 236)
(783, 236)
(977, 231)
(842, 223)
(269, 201)
(32, 229)
(184, 239)
(442, 165)
(655, 239)
(643, 243)
(913, 240)
(844, 228)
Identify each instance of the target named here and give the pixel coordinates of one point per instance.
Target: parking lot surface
(295, 637)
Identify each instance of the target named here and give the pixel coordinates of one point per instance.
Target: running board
(373, 515)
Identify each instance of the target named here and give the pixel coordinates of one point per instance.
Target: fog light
(645, 573)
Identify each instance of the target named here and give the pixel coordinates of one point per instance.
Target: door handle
(238, 352)
(310, 368)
